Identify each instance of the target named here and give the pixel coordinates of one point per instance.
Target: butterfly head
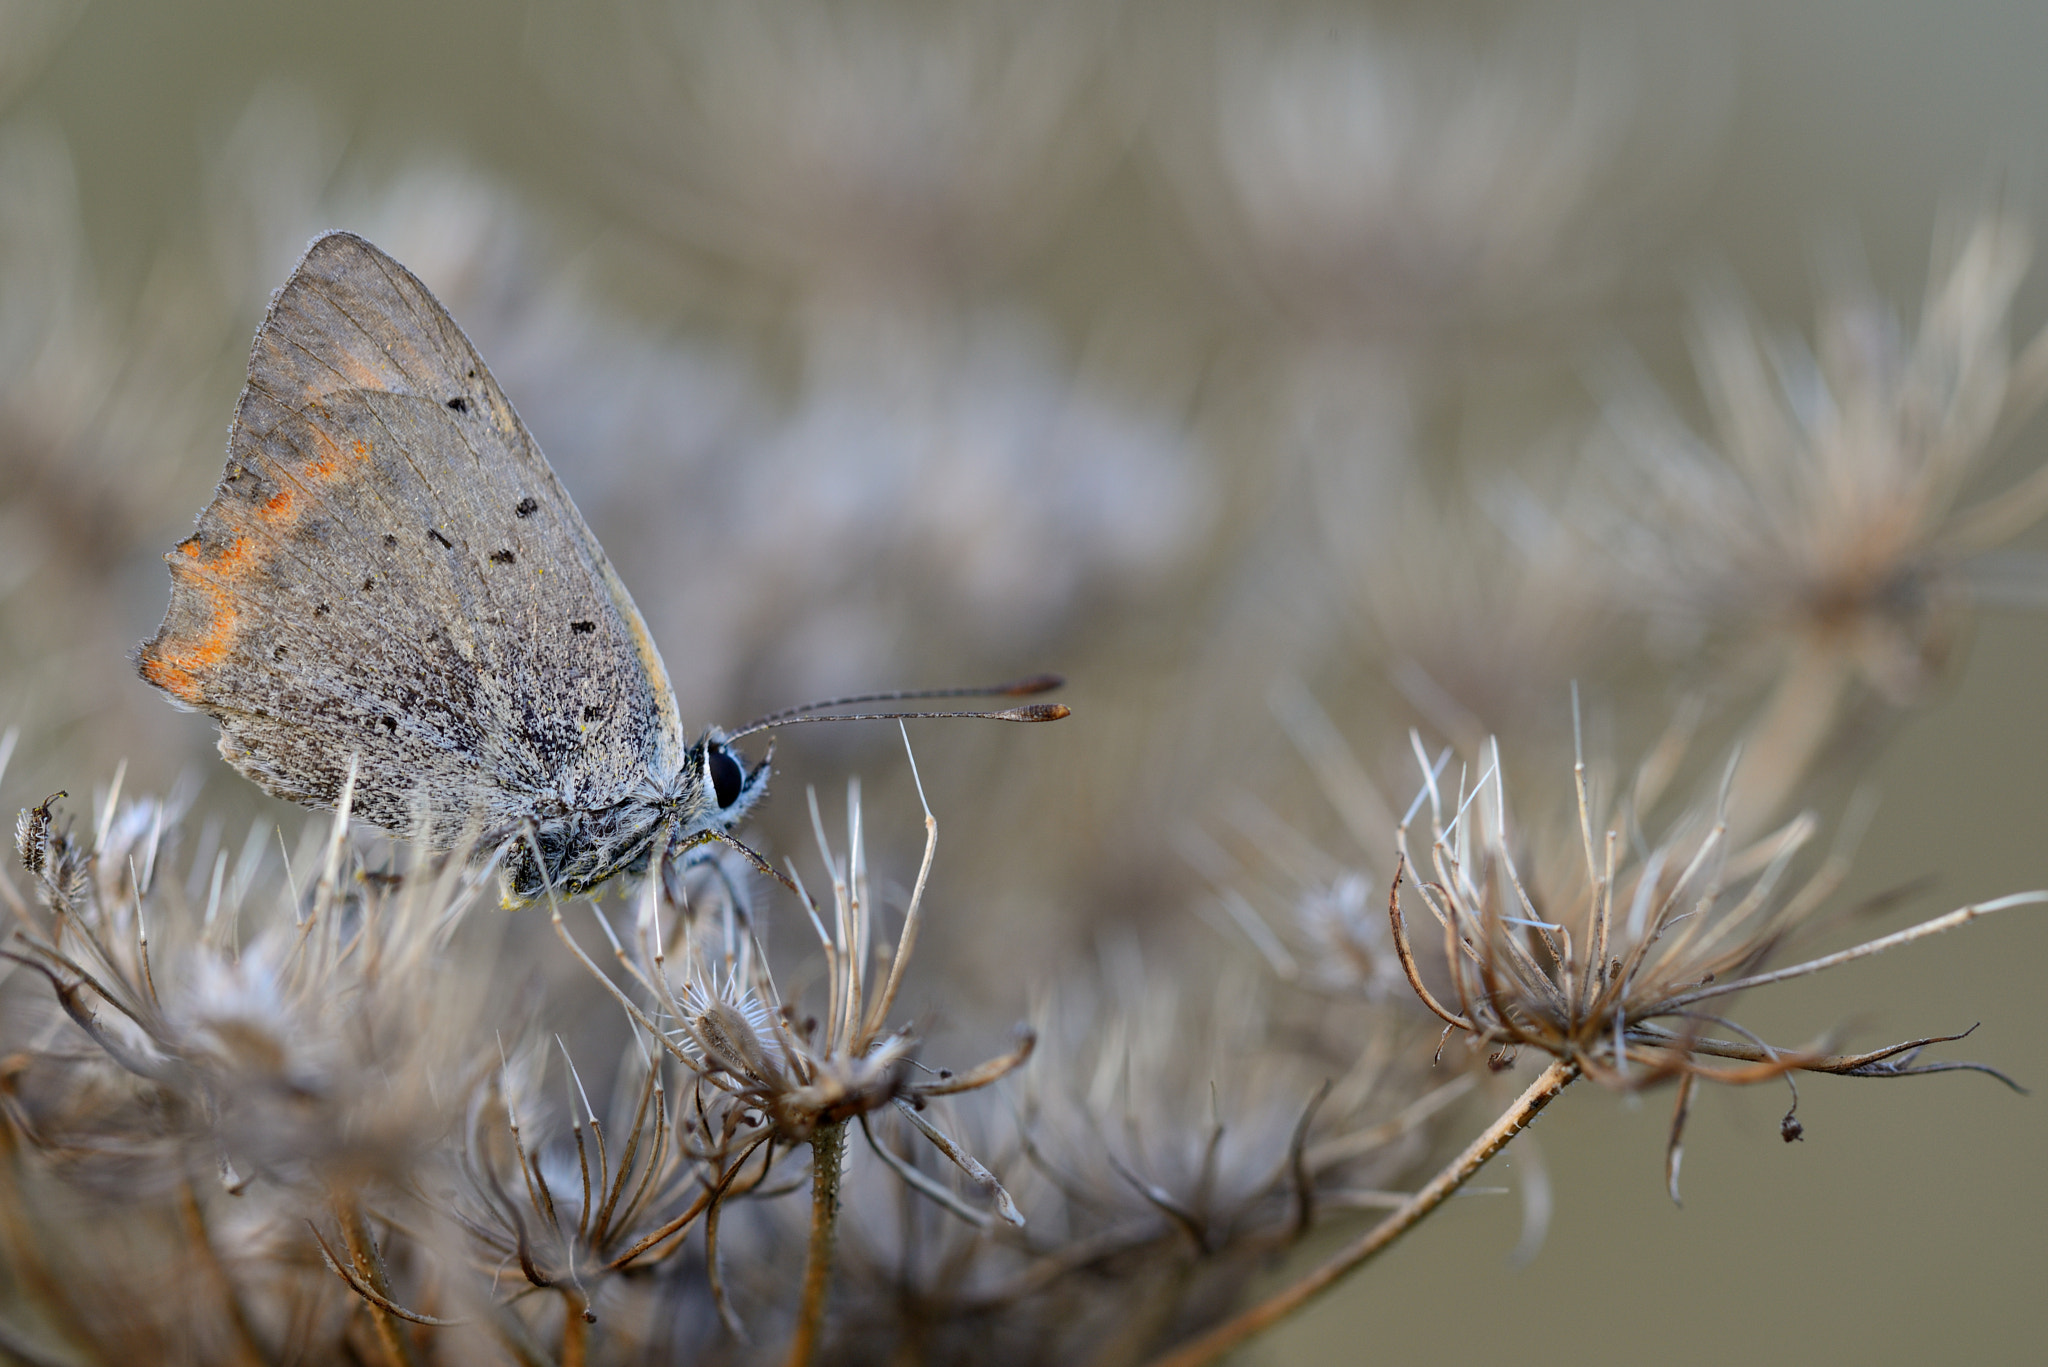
(725, 788)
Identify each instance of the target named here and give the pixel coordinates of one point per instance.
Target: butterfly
(391, 593)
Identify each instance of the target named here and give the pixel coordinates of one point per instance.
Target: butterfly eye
(726, 775)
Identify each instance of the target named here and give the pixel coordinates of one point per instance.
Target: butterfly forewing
(390, 570)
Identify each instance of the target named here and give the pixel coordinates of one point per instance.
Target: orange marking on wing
(361, 375)
(176, 665)
(278, 505)
(170, 678)
(333, 459)
(329, 463)
(190, 546)
(234, 561)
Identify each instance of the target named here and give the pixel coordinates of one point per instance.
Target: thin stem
(907, 940)
(576, 1319)
(1960, 916)
(828, 1156)
(1228, 1335)
(367, 1265)
(1407, 955)
(1781, 747)
(201, 1239)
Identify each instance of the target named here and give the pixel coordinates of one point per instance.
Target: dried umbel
(331, 1106)
(1617, 961)
(1389, 173)
(302, 1038)
(219, 1063)
(872, 141)
(302, 1111)
(315, 1124)
(1819, 527)
(1170, 1136)
(764, 1079)
(1826, 500)
(1611, 958)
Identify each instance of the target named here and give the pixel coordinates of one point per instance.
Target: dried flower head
(1816, 525)
(304, 1092)
(763, 1077)
(211, 1070)
(280, 1035)
(888, 139)
(1365, 174)
(1612, 958)
(1167, 1141)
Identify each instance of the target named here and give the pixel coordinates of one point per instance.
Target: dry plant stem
(907, 940)
(575, 1329)
(828, 1157)
(1269, 1312)
(1797, 721)
(362, 1252)
(1960, 916)
(246, 1353)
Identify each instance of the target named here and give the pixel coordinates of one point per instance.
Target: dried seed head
(1820, 510)
(760, 1075)
(32, 835)
(59, 864)
(297, 1040)
(1385, 171)
(1614, 957)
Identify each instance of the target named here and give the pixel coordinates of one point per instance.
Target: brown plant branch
(1949, 921)
(828, 1156)
(234, 1314)
(1211, 1346)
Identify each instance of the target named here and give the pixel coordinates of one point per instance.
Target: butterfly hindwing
(390, 570)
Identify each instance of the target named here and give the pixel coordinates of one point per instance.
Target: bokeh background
(898, 345)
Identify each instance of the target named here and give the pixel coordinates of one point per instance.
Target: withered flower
(1611, 962)
(765, 1078)
(216, 1072)
(1367, 171)
(1178, 1129)
(1818, 526)
(1614, 960)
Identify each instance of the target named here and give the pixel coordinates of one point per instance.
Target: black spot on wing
(435, 532)
(459, 404)
(583, 628)
(390, 540)
(527, 506)
(502, 557)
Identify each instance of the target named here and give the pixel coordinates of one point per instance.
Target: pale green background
(1912, 1224)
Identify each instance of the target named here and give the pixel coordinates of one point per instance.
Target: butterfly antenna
(1020, 688)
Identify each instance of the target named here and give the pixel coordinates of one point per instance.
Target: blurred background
(1243, 364)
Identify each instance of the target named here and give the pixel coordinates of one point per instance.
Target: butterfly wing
(390, 570)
